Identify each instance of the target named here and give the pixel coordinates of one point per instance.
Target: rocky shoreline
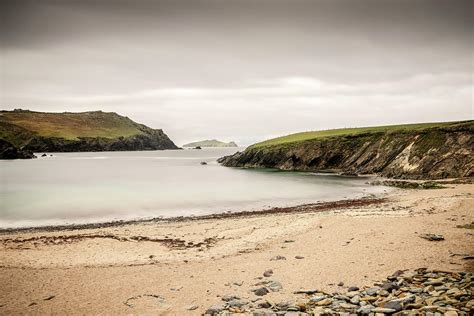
(413, 292)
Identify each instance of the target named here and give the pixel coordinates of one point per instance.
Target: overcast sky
(241, 70)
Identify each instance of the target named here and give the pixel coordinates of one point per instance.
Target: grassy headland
(304, 136)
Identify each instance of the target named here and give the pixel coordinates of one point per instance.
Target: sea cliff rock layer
(431, 153)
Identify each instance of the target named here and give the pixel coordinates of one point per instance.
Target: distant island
(24, 132)
(410, 151)
(211, 143)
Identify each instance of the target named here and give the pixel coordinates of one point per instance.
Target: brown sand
(165, 267)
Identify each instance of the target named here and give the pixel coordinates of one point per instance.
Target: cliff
(86, 131)
(426, 151)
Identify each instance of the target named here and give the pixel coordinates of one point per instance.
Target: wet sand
(166, 266)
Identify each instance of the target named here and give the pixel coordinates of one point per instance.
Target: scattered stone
(274, 286)
(214, 310)
(414, 292)
(49, 298)
(192, 307)
(340, 284)
(396, 306)
(44, 155)
(299, 257)
(265, 304)
(277, 258)
(352, 289)
(268, 273)
(432, 237)
(288, 241)
(227, 298)
(203, 163)
(309, 292)
(261, 291)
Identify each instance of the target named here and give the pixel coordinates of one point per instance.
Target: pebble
(268, 273)
(192, 307)
(261, 291)
(411, 292)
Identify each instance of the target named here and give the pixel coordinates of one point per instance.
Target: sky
(241, 70)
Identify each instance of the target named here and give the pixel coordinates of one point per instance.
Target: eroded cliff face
(149, 140)
(434, 153)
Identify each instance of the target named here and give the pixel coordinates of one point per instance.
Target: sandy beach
(184, 266)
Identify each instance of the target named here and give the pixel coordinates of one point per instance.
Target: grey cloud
(205, 68)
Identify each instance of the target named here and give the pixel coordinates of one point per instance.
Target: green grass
(304, 136)
(72, 125)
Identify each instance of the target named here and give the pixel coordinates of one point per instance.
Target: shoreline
(300, 208)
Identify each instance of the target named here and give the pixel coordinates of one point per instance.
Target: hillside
(211, 143)
(415, 151)
(86, 131)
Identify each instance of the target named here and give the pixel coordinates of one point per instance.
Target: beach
(185, 265)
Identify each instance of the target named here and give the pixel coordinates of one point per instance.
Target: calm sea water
(91, 187)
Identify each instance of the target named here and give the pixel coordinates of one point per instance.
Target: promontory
(30, 131)
(412, 151)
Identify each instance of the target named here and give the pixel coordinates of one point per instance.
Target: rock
(432, 237)
(265, 304)
(365, 310)
(316, 299)
(340, 284)
(348, 306)
(277, 258)
(8, 151)
(44, 155)
(197, 147)
(355, 300)
(372, 291)
(268, 273)
(383, 310)
(214, 310)
(299, 257)
(309, 292)
(352, 289)
(274, 286)
(48, 298)
(325, 302)
(352, 294)
(203, 163)
(236, 303)
(390, 286)
(393, 305)
(263, 313)
(227, 298)
(192, 307)
(261, 291)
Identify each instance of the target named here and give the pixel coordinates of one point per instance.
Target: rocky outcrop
(8, 151)
(151, 140)
(432, 153)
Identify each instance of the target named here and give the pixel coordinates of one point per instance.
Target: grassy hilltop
(304, 136)
(411, 151)
(85, 131)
